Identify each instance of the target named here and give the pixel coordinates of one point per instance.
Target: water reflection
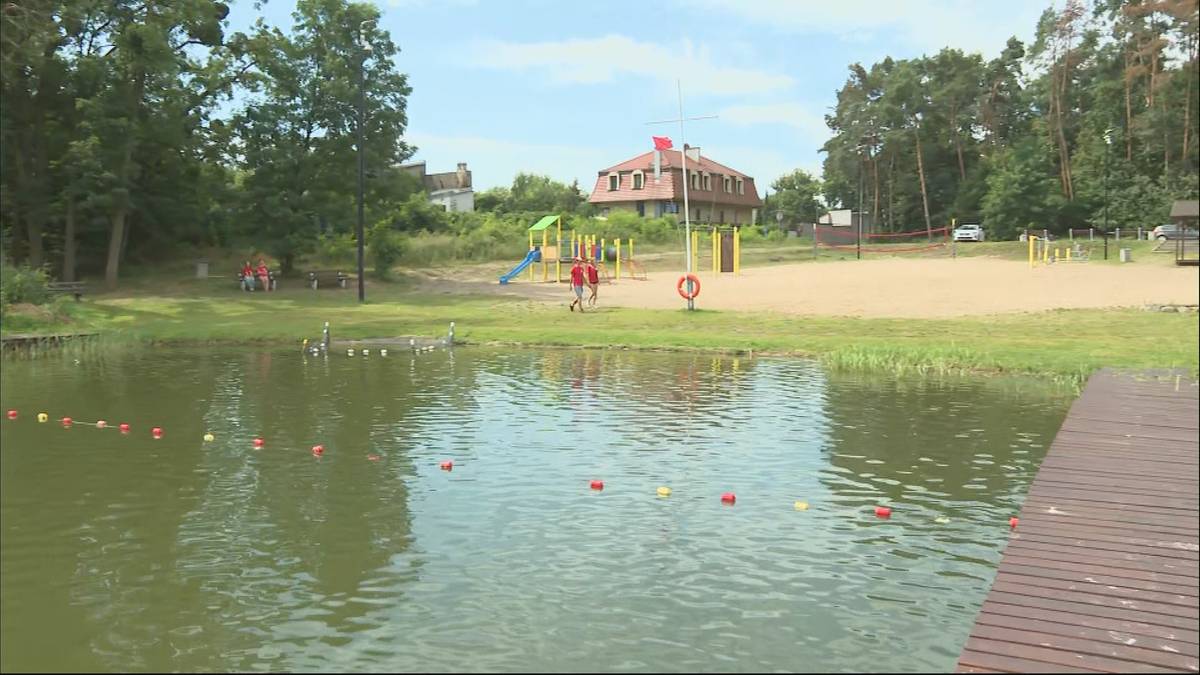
(122, 552)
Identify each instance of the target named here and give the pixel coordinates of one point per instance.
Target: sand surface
(886, 288)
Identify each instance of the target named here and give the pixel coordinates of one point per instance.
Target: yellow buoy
(801, 506)
(664, 492)
(942, 520)
(208, 438)
(42, 417)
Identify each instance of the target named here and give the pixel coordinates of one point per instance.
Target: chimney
(462, 175)
(693, 152)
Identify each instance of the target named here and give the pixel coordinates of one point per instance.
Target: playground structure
(1041, 252)
(574, 245)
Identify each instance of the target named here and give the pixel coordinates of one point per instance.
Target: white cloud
(924, 25)
(595, 60)
(796, 115)
(492, 161)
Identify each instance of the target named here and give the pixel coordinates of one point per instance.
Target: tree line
(133, 127)
(1093, 124)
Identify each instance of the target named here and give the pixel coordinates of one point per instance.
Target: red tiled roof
(668, 187)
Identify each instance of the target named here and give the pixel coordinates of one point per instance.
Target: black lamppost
(858, 230)
(362, 116)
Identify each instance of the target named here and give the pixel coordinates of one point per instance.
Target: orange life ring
(695, 286)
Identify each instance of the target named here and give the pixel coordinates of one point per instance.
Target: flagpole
(687, 220)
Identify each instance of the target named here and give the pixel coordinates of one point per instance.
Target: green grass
(1066, 344)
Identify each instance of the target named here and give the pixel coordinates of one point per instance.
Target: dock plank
(1102, 573)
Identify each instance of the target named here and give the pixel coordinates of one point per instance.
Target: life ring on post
(695, 286)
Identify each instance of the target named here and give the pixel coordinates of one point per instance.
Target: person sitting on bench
(264, 275)
(247, 276)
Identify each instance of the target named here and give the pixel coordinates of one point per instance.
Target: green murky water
(122, 552)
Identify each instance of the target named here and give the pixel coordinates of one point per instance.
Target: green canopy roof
(543, 223)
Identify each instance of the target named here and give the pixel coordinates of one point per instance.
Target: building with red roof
(716, 193)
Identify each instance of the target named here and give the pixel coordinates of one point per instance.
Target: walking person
(577, 277)
(593, 281)
(264, 275)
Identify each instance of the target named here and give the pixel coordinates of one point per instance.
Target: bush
(387, 247)
(23, 284)
(333, 248)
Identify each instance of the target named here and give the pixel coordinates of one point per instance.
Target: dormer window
(708, 182)
(741, 187)
(639, 180)
(727, 184)
(614, 182)
(695, 180)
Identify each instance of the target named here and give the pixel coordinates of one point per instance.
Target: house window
(695, 180)
(727, 184)
(708, 182)
(722, 212)
(639, 180)
(614, 182)
(741, 187)
(604, 212)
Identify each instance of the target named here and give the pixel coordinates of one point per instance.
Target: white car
(972, 232)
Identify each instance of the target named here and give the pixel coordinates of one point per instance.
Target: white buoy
(365, 352)
(383, 352)
(349, 352)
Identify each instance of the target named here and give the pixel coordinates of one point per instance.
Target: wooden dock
(1100, 574)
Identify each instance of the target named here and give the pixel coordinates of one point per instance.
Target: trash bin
(1126, 255)
(202, 268)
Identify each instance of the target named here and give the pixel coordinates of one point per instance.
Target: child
(577, 284)
(593, 281)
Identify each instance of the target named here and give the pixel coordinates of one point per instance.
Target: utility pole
(1107, 145)
(687, 216)
(858, 230)
(362, 117)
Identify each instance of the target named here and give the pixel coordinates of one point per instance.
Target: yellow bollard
(631, 248)
(737, 250)
(617, 243)
(1068, 254)
(1032, 246)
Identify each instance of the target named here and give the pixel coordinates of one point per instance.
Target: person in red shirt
(577, 278)
(264, 275)
(247, 276)
(593, 281)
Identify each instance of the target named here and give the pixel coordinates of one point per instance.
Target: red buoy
(1012, 522)
(258, 442)
(123, 427)
(66, 421)
(597, 485)
(100, 424)
(156, 432)
(883, 512)
(447, 465)
(728, 498)
(12, 414)
(318, 450)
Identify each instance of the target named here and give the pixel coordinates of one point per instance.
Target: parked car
(1173, 231)
(969, 232)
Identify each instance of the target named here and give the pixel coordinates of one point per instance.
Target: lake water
(123, 552)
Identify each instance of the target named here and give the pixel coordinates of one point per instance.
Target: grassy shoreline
(1062, 345)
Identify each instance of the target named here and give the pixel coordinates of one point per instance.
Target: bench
(327, 278)
(75, 288)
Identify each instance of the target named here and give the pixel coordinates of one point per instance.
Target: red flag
(661, 143)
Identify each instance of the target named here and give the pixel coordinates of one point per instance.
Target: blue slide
(533, 256)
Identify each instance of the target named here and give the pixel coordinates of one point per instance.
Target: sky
(565, 88)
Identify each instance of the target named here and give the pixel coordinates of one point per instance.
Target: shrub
(23, 284)
(333, 248)
(387, 247)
